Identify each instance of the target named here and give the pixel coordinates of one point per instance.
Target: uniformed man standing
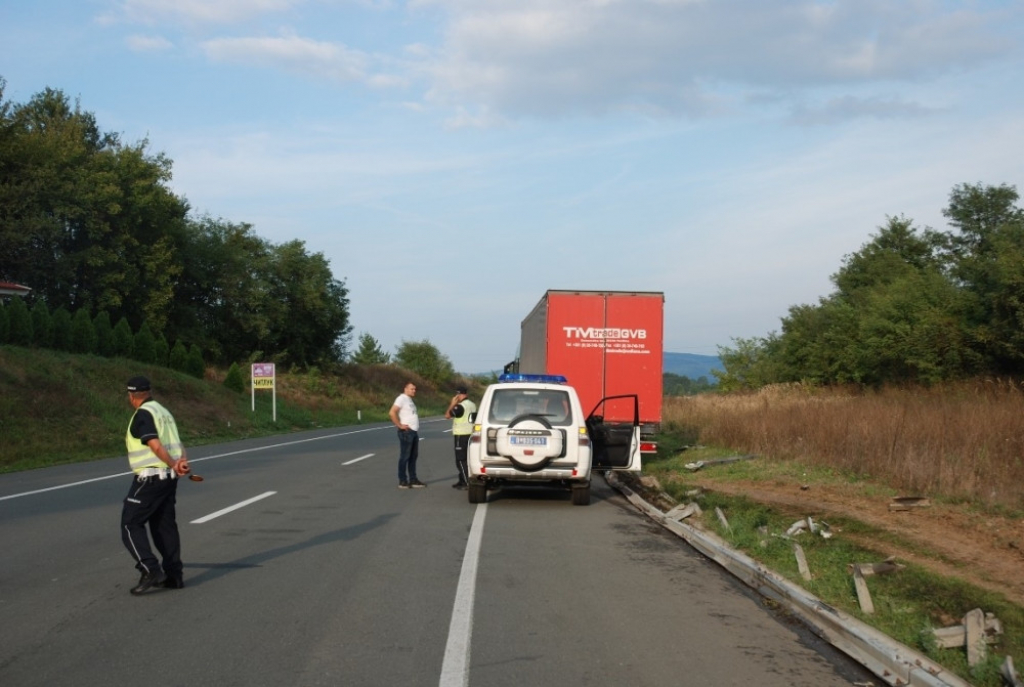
(462, 412)
(157, 459)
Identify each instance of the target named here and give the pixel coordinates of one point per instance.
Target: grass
(907, 604)
(62, 408)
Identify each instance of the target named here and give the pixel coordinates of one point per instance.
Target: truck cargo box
(605, 342)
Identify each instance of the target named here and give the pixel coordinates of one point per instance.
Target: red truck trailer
(606, 343)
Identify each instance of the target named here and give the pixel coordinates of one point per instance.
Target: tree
(83, 333)
(62, 329)
(143, 345)
(104, 334)
(42, 325)
(234, 379)
(195, 365)
(423, 358)
(20, 323)
(179, 357)
(123, 339)
(311, 316)
(370, 352)
(161, 350)
(5, 323)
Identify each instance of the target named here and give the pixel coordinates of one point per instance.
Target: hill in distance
(692, 365)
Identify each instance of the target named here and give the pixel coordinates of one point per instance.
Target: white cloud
(201, 11)
(549, 57)
(299, 55)
(138, 43)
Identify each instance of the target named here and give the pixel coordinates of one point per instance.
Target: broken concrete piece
(682, 512)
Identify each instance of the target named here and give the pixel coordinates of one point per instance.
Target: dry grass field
(831, 452)
(961, 442)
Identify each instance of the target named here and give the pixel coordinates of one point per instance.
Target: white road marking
(356, 460)
(455, 668)
(194, 460)
(223, 511)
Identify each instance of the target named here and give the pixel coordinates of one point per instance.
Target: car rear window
(552, 405)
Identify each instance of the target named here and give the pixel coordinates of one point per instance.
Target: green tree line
(88, 222)
(911, 306)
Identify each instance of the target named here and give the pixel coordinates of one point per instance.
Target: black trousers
(461, 456)
(151, 502)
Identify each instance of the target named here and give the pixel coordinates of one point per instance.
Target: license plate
(528, 441)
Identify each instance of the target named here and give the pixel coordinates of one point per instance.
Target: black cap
(460, 389)
(138, 384)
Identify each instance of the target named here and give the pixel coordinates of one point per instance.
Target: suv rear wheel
(581, 495)
(477, 492)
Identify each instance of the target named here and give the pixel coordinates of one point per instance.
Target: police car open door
(614, 429)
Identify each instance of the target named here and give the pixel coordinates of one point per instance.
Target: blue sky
(454, 159)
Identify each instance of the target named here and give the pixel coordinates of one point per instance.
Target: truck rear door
(616, 445)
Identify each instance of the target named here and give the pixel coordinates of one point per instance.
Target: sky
(455, 159)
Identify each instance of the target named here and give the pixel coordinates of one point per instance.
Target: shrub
(179, 357)
(161, 350)
(234, 379)
(42, 325)
(83, 333)
(123, 339)
(195, 366)
(142, 346)
(62, 329)
(5, 324)
(104, 334)
(20, 333)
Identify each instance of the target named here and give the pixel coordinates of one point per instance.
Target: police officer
(462, 412)
(157, 458)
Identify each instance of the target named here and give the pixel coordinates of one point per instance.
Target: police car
(531, 429)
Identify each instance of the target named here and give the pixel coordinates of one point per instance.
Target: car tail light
(648, 447)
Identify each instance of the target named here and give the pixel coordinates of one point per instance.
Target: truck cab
(531, 429)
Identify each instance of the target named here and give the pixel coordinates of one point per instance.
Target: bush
(42, 325)
(123, 339)
(195, 365)
(143, 346)
(104, 334)
(161, 350)
(5, 324)
(234, 379)
(20, 333)
(179, 357)
(83, 333)
(61, 329)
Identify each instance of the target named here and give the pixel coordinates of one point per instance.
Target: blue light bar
(536, 379)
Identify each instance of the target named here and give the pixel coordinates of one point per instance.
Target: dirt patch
(952, 540)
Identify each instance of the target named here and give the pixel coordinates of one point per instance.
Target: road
(305, 565)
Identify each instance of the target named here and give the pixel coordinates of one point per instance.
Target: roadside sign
(263, 377)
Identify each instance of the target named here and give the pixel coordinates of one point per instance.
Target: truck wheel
(477, 492)
(581, 495)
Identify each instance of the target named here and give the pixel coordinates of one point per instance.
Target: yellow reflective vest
(141, 456)
(463, 424)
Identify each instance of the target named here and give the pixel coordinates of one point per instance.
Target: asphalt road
(305, 565)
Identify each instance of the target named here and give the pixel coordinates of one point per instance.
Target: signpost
(263, 378)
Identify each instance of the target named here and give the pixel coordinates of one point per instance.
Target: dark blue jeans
(409, 451)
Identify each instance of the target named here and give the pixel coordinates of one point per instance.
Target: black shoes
(416, 484)
(403, 485)
(147, 582)
(173, 583)
(460, 485)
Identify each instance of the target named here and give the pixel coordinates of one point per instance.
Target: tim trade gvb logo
(604, 333)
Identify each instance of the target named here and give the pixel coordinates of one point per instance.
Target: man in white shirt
(403, 415)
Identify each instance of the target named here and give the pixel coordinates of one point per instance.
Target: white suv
(531, 429)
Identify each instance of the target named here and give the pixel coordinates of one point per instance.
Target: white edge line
(455, 668)
(192, 460)
(224, 511)
(356, 460)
